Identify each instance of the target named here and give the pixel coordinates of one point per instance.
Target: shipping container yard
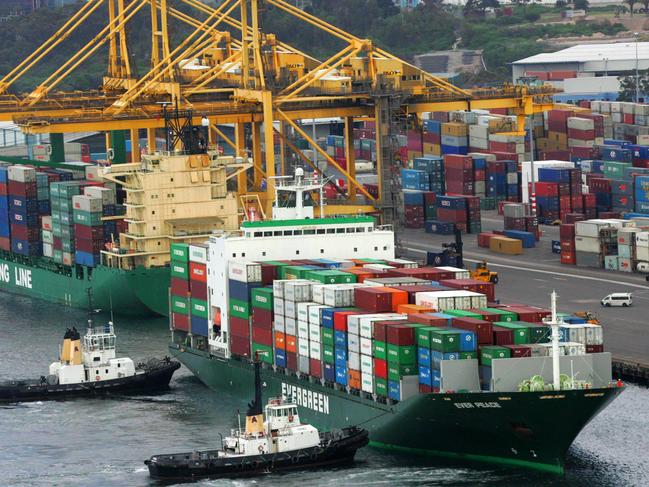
(462, 273)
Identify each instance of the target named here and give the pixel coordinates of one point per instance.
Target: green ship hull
(524, 429)
(138, 292)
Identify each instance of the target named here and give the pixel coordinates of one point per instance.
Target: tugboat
(91, 369)
(273, 441)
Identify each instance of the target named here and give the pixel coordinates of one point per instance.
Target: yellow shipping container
(455, 129)
(432, 149)
(505, 245)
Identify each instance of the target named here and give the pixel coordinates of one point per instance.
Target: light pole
(637, 77)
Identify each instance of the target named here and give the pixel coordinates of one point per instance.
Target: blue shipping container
(439, 227)
(528, 239)
(329, 372)
(451, 202)
(341, 355)
(241, 290)
(341, 374)
(468, 342)
(86, 258)
(423, 356)
(413, 198)
(436, 357)
(280, 357)
(449, 149)
(199, 326)
(394, 390)
(425, 376)
(554, 175)
(610, 153)
(340, 340)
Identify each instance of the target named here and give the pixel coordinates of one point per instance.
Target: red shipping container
(315, 368)
(89, 233)
(239, 326)
(4, 191)
(413, 289)
(519, 351)
(291, 360)
(268, 274)
(263, 318)
(531, 314)
(179, 287)
(380, 368)
(400, 334)
(425, 389)
(21, 232)
(487, 315)
(58, 243)
(503, 336)
(180, 321)
(545, 189)
(561, 115)
(428, 273)
(362, 274)
(375, 299)
(5, 244)
(262, 336)
(567, 246)
(398, 298)
(340, 319)
(628, 118)
(581, 134)
(379, 329)
(589, 200)
(456, 161)
(502, 146)
(452, 216)
(26, 190)
(197, 272)
(594, 348)
(280, 340)
(482, 329)
(484, 239)
(89, 246)
(240, 345)
(198, 289)
(568, 258)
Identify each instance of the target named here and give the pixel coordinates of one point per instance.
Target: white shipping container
(315, 350)
(48, 249)
(303, 346)
(278, 306)
(87, 203)
(315, 313)
(479, 131)
(478, 301)
(642, 239)
(317, 293)
(591, 228)
(279, 323)
(539, 349)
(21, 174)
(478, 143)
(581, 123)
(290, 309)
(587, 244)
(458, 273)
(93, 173)
(405, 264)
(367, 367)
(353, 343)
(594, 334)
(303, 310)
(338, 295)
(246, 271)
(442, 300)
(46, 222)
(366, 346)
(198, 253)
(278, 288)
(367, 383)
(302, 329)
(365, 322)
(107, 195)
(298, 290)
(573, 333)
(354, 361)
(378, 267)
(291, 326)
(314, 332)
(580, 143)
(47, 236)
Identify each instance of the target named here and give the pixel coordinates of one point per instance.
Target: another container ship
(109, 228)
(424, 358)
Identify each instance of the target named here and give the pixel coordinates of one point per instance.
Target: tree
(627, 86)
(583, 4)
(631, 3)
(645, 4)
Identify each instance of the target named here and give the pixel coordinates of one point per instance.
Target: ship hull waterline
(134, 292)
(516, 429)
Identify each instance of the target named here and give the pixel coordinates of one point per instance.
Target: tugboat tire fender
(295, 459)
(314, 455)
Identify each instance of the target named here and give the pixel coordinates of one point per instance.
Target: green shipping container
(67, 245)
(240, 309)
(430, 212)
(180, 270)
(397, 371)
(615, 170)
(462, 313)
(379, 350)
(489, 353)
(57, 256)
(423, 336)
(293, 272)
(468, 355)
(262, 297)
(445, 341)
(488, 203)
(327, 336)
(264, 352)
(180, 305)
(56, 220)
(402, 355)
(180, 252)
(199, 308)
(328, 354)
(538, 333)
(521, 332)
(504, 315)
(330, 277)
(380, 386)
(65, 206)
(87, 218)
(55, 205)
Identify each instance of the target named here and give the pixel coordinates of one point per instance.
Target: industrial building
(597, 67)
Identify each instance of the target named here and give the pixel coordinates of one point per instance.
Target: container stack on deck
(180, 287)
(5, 220)
(23, 208)
(388, 341)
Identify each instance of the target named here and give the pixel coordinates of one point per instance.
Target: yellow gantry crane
(228, 70)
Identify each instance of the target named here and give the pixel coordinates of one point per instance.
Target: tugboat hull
(336, 448)
(152, 379)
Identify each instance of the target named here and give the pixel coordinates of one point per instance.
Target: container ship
(424, 358)
(109, 228)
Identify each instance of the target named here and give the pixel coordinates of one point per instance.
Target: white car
(618, 299)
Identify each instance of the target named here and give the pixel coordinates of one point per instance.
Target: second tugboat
(91, 368)
(278, 442)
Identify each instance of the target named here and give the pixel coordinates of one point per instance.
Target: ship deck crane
(228, 70)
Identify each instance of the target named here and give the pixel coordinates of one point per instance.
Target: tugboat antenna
(90, 311)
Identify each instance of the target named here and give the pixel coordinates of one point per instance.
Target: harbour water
(103, 442)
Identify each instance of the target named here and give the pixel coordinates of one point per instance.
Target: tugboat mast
(556, 367)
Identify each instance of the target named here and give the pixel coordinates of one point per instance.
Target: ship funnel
(65, 349)
(254, 416)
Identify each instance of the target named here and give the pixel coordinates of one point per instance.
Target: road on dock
(531, 277)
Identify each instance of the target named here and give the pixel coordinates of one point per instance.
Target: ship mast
(556, 371)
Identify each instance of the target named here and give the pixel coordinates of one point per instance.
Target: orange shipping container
(504, 245)
(280, 340)
(354, 379)
(408, 309)
(291, 343)
(398, 297)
